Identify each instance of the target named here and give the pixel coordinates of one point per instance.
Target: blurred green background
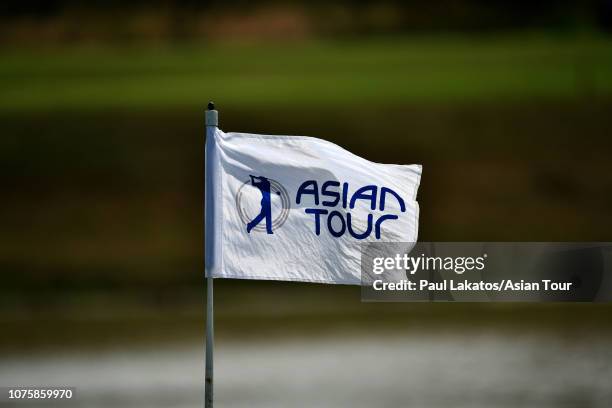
(505, 103)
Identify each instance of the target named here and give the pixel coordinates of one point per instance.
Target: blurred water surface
(426, 369)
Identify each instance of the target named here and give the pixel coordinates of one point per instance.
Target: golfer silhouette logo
(273, 206)
(263, 184)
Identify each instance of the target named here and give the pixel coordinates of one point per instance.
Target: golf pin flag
(298, 208)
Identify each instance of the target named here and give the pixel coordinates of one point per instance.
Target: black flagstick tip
(211, 105)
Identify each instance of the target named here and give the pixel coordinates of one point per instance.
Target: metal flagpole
(212, 121)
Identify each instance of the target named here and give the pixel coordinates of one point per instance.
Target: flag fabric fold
(296, 208)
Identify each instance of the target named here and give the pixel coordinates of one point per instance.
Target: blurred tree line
(69, 21)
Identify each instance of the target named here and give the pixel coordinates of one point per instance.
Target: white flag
(298, 208)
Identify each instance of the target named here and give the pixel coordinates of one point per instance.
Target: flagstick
(208, 378)
(211, 124)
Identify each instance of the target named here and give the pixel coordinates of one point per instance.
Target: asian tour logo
(263, 204)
